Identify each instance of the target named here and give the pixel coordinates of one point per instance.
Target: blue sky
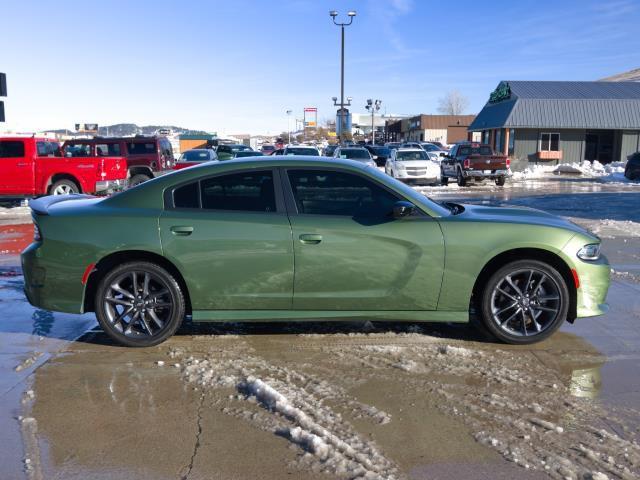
(236, 66)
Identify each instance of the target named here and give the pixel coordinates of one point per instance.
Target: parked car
(267, 149)
(296, 238)
(228, 151)
(147, 156)
(301, 150)
(328, 150)
(379, 153)
(473, 161)
(632, 169)
(441, 145)
(358, 154)
(195, 156)
(33, 166)
(412, 165)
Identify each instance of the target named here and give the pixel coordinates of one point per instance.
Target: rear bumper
(111, 186)
(484, 173)
(47, 285)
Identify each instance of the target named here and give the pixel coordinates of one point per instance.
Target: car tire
(500, 181)
(444, 180)
(462, 182)
(156, 305)
(138, 179)
(524, 302)
(64, 187)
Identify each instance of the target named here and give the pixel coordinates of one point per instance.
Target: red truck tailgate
(112, 168)
(487, 162)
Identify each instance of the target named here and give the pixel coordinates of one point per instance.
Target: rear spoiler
(41, 205)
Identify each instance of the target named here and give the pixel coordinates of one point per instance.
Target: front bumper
(484, 173)
(427, 176)
(594, 285)
(106, 187)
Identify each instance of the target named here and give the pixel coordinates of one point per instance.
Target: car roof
(409, 149)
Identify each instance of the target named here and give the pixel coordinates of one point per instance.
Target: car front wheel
(444, 180)
(139, 304)
(524, 302)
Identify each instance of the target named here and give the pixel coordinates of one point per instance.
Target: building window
(512, 135)
(549, 142)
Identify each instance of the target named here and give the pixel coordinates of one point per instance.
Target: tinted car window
(78, 150)
(107, 149)
(11, 149)
(252, 192)
(187, 196)
(195, 156)
(318, 192)
(354, 153)
(138, 148)
(301, 151)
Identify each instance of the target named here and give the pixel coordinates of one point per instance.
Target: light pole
(289, 124)
(373, 107)
(333, 14)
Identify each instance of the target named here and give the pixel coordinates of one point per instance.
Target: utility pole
(373, 107)
(3, 93)
(333, 14)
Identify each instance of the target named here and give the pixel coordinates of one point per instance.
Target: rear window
(353, 153)
(302, 151)
(11, 149)
(48, 149)
(195, 156)
(475, 151)
(138, 148)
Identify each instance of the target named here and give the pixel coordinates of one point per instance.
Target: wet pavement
(323, 400)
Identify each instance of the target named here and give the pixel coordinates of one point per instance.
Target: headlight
(589, 252)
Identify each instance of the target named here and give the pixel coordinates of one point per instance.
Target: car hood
(418, 163)
(519, 215)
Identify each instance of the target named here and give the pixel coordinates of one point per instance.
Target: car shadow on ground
(444, 331)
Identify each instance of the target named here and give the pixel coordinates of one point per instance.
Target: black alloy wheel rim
(138, 304)
(525, 302)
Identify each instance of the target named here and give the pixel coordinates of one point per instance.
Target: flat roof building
(561, 122)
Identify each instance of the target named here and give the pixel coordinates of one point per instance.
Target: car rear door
(350, 254)
(16, 166)
(230, 237)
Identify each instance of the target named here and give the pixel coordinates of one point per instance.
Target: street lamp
(373, 107)
(289, 124)
(333, 14)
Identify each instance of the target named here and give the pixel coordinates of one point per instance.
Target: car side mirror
(403, 209)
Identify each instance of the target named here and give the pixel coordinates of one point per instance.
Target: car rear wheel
(139, 304)
(524, 302)
(500, 181)
(64, 187)
(462, 182)
(138, 179)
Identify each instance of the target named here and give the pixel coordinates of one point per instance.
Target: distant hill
(630, 76)
(129, 129)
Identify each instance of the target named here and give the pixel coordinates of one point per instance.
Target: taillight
(466, 163)
(102, 172)
(508, 162)
(37, 236)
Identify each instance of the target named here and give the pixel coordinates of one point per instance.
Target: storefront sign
(502, 92)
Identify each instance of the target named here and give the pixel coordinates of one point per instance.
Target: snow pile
(612, 172)
(292, 404)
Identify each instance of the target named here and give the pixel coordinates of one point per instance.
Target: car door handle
(180, 231)
(310, 238)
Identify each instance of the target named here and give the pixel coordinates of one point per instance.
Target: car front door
(350, 254)
(16, 167)
(230, 237)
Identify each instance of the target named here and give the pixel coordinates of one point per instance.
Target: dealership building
(561, 122)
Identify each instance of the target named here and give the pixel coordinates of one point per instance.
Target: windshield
(413, 155)
(194, 156)
(248, 153)
(355, 154)
(268, 148)
(301, 151)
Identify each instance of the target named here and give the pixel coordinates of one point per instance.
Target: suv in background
(229, 151)
(33, 166)
(380, 154)
(147, 156)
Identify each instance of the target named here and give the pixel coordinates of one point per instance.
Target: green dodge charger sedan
(301, 238)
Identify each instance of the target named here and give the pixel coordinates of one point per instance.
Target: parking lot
(333, 400)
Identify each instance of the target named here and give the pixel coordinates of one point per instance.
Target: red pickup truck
(468, 161)
(32, 166)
